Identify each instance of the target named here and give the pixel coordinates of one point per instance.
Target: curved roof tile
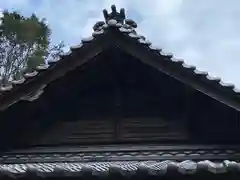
(124, 168)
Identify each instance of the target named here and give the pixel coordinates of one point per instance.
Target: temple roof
(126, 168)
(121, 160)
(125, 152)
(116, 31)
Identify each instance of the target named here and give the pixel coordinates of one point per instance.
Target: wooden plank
(139, 133)
(94, 136)
(104, 130)
(151, 129)
(100, 131)
(82, 131)
(151, 139)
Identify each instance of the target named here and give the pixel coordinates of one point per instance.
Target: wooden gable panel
(114, 130)
(78, 132)
(151, 129)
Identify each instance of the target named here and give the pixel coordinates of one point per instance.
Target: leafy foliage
(24, 44)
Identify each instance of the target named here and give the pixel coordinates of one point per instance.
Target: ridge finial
(118, 16)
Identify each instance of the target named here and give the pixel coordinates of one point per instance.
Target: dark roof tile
(125, 168)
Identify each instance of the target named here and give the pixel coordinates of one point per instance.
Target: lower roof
(120, 153)
(122, 168)
(122, 160)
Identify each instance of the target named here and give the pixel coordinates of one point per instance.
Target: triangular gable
(118, 32)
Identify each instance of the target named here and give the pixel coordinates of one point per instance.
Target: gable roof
(122, 160)
(119, 32)
(128, 169)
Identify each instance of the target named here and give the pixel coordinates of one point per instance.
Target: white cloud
(204, 33)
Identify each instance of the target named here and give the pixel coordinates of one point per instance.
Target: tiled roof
(123, 168)
(119, 153)
(116, 22)
(124, 160)
(6, 87)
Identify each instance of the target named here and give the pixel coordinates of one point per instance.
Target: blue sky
(204, 33)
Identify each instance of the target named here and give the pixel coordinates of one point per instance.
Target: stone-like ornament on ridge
(131, 23)
(76, 47)
(96, 33)
(87, 39)
(133, 35)
(98, 25)
(31, 74)
(199, 72)
(112, 22)
(6, 87)
(42, 67)
(187, 66)
(19, 81)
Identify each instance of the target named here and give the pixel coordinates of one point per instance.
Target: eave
(124, 152)
(118, 169)
(120, 160)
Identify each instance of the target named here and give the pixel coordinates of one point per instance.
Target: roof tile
(125, 168)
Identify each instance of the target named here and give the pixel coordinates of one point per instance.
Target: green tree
(24, 43)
